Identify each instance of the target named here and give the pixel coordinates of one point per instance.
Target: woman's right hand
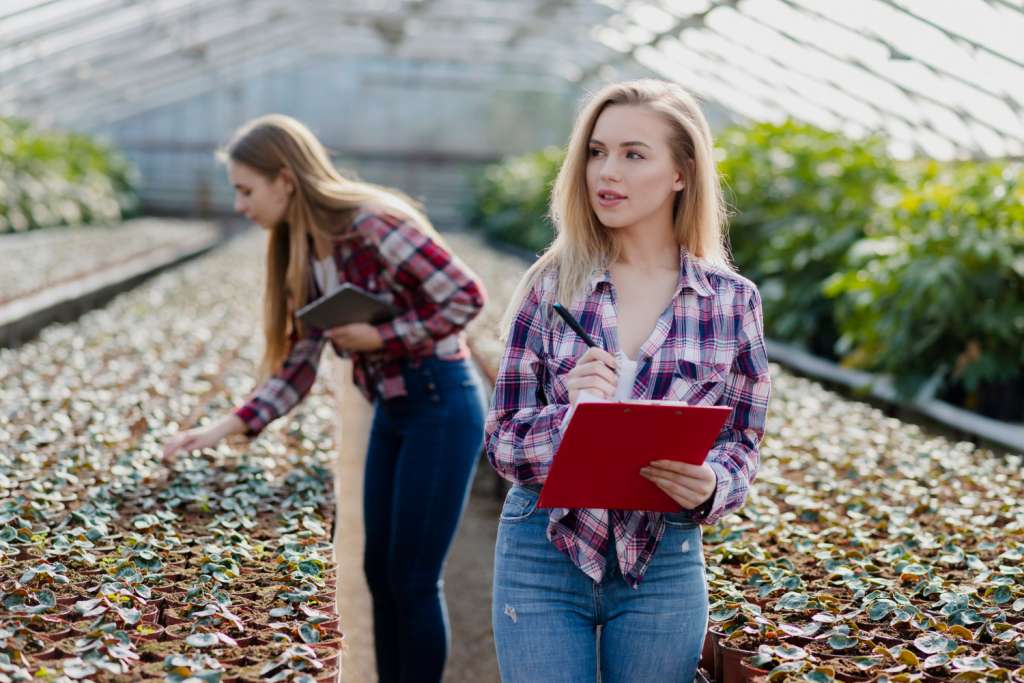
(203, 437)
(596, 373)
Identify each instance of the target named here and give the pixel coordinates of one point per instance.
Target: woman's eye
(594, 151)
(634, 155)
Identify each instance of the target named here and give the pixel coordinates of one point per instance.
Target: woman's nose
(610, 170)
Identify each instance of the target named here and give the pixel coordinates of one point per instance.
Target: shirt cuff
(392, 342)
(713, 508)
(254, 425)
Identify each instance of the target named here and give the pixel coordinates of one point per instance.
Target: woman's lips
(608, 199)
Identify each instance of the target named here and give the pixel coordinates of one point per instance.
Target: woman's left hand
(688, 485)
(356, 337)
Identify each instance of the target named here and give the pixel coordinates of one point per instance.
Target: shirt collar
(692, 275)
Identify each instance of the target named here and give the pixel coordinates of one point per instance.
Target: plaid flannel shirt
(391, 257)
(706, 349)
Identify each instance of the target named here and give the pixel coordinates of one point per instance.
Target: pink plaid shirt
(437, 294)
(706, 349)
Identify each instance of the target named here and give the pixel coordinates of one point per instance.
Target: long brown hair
(581, 243)
(324, 203)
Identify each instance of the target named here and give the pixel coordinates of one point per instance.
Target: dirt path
(467, 576)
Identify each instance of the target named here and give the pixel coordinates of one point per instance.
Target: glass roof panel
(938, 76)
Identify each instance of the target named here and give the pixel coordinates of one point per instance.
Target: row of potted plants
(118, 565)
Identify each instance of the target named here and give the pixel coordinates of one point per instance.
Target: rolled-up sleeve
(452, 295)
(523, 429)
(735, 456)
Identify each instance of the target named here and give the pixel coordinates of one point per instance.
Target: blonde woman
(427, 429)
(639, 259)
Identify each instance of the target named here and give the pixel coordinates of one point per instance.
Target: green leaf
(840, 641)
(936, 660)
(790, 652)
(818, 676)
(792, 602)
(308, 634)
(724, 614)
(932, 643)
(201, 640)
(78, 669)
(979, 663)
(879, 609)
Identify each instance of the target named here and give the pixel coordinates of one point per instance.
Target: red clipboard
(598, 463)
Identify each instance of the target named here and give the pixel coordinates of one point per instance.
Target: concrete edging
(24, 318)
(1007, 435)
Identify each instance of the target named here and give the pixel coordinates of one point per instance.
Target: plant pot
(750, 672)
(731, 664)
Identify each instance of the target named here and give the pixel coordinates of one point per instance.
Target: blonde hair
(324, 203)
(581, 243)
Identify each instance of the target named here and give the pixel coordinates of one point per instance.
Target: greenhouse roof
(941, 78)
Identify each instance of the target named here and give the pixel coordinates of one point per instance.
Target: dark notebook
(348, 304)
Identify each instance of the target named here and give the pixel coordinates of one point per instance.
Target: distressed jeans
(423, 451)
(546, 612)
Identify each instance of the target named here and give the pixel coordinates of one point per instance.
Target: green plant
(52, 178)
(800, 197)
(511, 198)
(936, 287)
(197, 667)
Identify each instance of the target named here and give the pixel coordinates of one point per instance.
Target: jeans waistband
(532, 487)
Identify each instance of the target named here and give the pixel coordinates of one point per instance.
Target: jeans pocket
(520, 503)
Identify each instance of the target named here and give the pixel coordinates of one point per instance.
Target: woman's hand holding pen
(596, 372)
(356, 337)
(689, 485)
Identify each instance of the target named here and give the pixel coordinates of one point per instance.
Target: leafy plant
(936, 288)
(53, 178)
(800, 196)
(511, 199)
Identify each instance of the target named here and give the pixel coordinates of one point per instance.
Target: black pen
(573, 324)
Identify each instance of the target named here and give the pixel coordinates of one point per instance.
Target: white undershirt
(326, 273)
(627, 377)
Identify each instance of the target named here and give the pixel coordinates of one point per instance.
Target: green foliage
(937, 286)
(510, 203)
(50, 178)
(800, 197)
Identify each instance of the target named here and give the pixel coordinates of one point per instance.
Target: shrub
(936, 289)
(511, 199)
(801, 197)
(50, 178)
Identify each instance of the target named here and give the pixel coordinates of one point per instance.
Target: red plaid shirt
(385, 254)
(706, 349)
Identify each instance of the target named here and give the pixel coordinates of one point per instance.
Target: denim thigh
(543, 606)
(655, 632)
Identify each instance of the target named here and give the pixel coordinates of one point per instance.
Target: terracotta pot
(710, 654)
(731, 664)
(749, 672)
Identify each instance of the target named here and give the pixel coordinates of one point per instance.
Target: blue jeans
(545, 611)
(422, 454)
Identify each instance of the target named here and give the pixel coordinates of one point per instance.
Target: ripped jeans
(546, 612)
